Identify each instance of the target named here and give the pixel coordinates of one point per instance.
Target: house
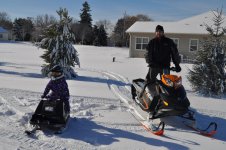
(187, 34)
(4, 35)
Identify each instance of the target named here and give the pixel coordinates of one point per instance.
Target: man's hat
(159, 28)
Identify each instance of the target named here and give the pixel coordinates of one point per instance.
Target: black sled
(49, 115)
(166, 98)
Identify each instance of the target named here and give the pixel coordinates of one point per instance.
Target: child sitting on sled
(58, 86)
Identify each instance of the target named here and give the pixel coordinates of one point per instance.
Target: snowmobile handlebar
(173, 68)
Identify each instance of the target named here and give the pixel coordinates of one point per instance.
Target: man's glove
(150, 65)
(178, 68)
(43, 96)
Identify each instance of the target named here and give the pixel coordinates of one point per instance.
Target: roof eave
(137, 32)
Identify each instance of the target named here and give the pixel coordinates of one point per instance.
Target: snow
(191, 25)
(99, 118)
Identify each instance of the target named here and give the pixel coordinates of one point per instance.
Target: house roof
(2, 30)
(191, 25)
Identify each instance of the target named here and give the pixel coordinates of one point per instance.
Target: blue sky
(159, 10)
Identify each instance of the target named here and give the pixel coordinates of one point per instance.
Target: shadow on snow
(88, 131)
(32, 75)
(100, 80)
(203, 119)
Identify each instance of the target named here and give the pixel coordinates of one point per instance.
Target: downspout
(130, 47)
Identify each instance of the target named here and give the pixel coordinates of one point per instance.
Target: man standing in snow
(58, 86)
(159, 52)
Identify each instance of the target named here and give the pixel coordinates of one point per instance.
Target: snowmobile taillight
(50, 109)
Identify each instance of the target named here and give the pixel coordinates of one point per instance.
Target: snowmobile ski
(210, 131)
(32, 132)
(58, 130)
(156, 129)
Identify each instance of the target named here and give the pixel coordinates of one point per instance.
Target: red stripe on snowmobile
(210, 134)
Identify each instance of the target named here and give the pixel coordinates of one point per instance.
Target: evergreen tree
(86, 34)
(100, 36)
(23, 28)
(58, 44)
(85, 16)
(17, 30)
(208, 75)
(95, 34)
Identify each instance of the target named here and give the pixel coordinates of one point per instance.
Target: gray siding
(183, 47)
(4, 36)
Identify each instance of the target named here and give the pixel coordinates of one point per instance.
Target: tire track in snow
(119, 94)
(44, 141)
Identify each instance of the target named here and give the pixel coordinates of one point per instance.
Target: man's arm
(148, 54)
(175, 54)
(47, 89)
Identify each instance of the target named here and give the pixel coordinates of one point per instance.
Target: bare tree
(44, 20)
(108, 26)
(120, 37)
(40, 23)
(4, 16)
(142, 17)
(5, 21)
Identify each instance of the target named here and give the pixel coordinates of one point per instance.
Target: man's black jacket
(160, 51)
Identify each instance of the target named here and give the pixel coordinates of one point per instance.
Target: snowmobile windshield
(172, 80)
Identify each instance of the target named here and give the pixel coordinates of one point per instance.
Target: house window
(1, 36)
(193, 45)
(176, 41)
(141, 43)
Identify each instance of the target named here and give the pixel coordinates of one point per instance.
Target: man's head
(159, 31)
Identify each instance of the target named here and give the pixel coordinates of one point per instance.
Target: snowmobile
(166, 98)
(50, 115)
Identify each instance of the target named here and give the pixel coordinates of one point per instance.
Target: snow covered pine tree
(208, 75)
(58, 40)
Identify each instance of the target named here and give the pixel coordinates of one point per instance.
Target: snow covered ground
(100, 119)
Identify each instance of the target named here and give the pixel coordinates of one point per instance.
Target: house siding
(183, 48)
(4, 36)
(185, 30)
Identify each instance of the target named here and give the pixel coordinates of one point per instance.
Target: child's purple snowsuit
(59, 90)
